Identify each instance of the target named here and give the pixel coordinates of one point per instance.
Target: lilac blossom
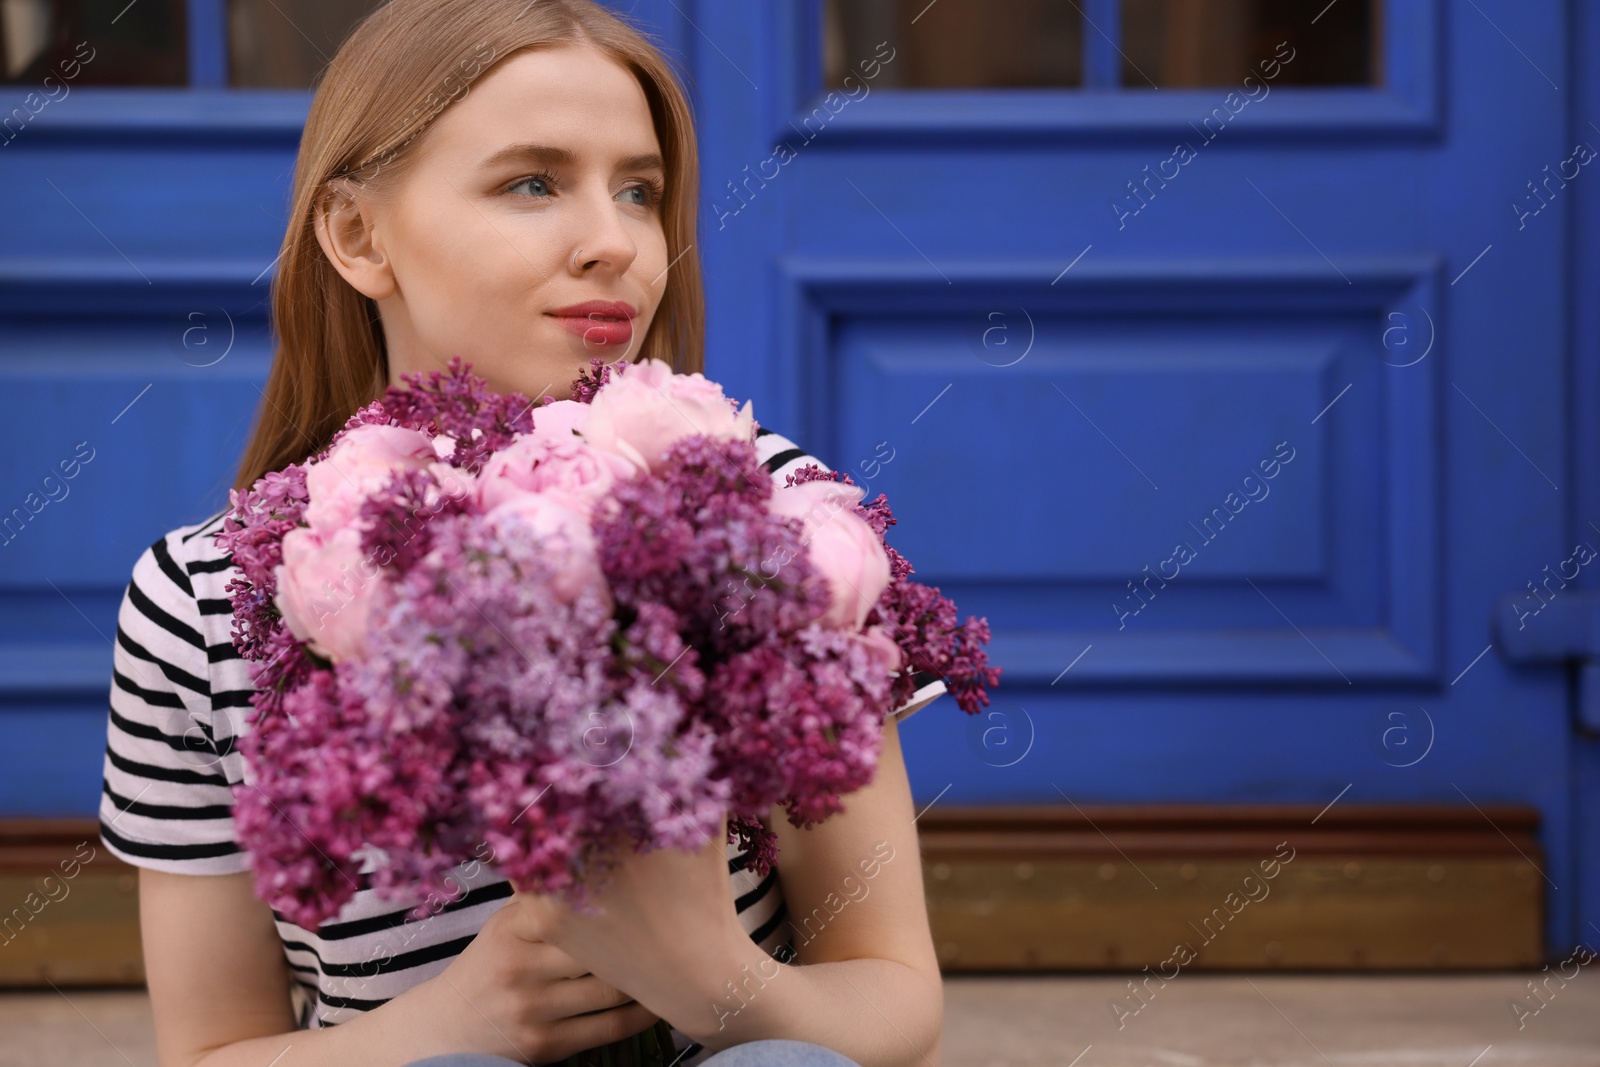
(558, 698)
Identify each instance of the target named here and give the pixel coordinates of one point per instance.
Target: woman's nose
(603, 242)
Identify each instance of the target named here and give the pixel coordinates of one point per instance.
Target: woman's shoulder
(780, 456)
(162, 596)
(195, 543)
(177, 689)
(177, 597)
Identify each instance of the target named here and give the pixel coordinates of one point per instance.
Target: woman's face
(527, 234)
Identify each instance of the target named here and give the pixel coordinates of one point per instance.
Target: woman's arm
(868, 981)
(219, 988)
(214, 967)
(219, 985)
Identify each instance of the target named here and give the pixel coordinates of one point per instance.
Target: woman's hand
(513, 994)
(667, 931)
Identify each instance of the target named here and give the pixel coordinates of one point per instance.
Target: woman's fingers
(554, 962)
(589, 994)
(585, 995)
(528, 915)
(535, 994)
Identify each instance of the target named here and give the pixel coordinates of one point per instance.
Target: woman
(513, 181)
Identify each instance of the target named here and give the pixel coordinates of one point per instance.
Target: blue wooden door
(1237, 409)
(1238, 404)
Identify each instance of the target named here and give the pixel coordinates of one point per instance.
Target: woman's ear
(344, 225)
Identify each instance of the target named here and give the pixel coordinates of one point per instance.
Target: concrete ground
(1196, 1020)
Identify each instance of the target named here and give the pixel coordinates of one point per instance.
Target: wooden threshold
(1351, 887)
(1024, 889)
(69, 909)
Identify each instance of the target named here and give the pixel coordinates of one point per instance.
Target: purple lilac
(484, 709)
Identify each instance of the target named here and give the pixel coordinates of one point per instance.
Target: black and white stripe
(179, 691)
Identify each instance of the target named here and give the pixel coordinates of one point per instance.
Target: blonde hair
(399, 70)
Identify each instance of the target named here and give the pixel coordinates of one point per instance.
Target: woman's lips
(598, 322)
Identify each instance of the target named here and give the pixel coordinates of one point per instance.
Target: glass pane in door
(94, 42)
(954, 44)
(285, 44)
(1178, 43)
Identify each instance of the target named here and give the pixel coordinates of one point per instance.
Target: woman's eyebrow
(648, 162)
(551, 155)
(530, 153)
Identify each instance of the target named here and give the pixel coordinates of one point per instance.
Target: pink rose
(563, 532)
(842, 546)
(644, 409)
(455, 483)
(559, 418)
(326, 589)
(569, 469)
(359, 464)
(883, 648)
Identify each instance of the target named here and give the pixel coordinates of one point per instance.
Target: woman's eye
(641, 193)
(537, 186)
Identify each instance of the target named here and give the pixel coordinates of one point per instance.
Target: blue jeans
(770, 1052)
(780, 1052)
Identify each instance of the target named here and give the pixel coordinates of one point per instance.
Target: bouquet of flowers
(555, 627)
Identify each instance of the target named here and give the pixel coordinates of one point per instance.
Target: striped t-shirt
(178, 699)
